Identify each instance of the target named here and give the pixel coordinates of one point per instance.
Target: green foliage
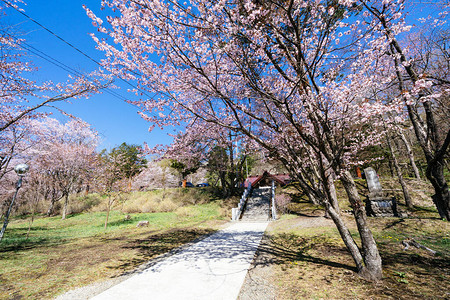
(227, 170)
(126, 160)
(402, 277)
(183, 169)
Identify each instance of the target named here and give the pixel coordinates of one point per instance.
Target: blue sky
(115, 120)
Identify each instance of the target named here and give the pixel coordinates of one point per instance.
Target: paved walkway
(213, 268)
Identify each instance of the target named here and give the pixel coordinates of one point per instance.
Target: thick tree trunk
(410, 155)
(332, 209)
(435, 173)
(51, 207)
(332, 193)
(435, 167)
(349, 242)
(372, 268)
(370, 254)
(426, 133)
(66, 204)
(408, 200)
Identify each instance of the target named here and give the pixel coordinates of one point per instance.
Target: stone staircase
(258, 205)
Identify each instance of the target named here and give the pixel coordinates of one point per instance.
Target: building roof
(281, 179)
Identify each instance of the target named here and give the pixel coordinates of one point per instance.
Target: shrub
(282, 202)
(84, 203)
(187, 212)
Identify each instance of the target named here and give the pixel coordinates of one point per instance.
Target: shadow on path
(222, 245)
(215, 265)
(153, 245)
(280, 254)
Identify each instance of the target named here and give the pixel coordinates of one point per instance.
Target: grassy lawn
(304, 251)
(308, 259)
(60, 254)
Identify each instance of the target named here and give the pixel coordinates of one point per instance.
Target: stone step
(258, 205)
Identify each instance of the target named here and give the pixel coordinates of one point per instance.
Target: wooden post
(358, 172)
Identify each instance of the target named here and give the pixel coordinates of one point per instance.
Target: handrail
(274, 208)
(240, 209)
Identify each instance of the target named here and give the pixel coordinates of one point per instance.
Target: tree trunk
(29, 225)
(370, 254)
(332, 192)
(345, 234)
(312, 198)
(349, 242)
(66, 204)
(435, 168)
(408, 200)
(435, 173)
(108, 209)
(51, 207)
(391, 169)
(226, 192)
(410, 155)
(427, 135)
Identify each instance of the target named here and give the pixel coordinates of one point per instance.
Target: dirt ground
(302, 257)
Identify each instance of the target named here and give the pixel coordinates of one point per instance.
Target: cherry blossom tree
(157, 174)
(66, 157)
(422, 75)
(301, 80)
(61, 157)
(36, 190)
(21, 98)
(15, 143)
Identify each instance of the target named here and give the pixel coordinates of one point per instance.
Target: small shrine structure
(265, 179)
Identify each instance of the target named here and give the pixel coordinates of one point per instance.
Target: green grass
(62, 254)
(83, 225)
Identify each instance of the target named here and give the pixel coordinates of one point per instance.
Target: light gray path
(213, 268)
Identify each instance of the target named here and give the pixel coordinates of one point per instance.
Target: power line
(65, 67)
(61, 65)
(73, 46)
